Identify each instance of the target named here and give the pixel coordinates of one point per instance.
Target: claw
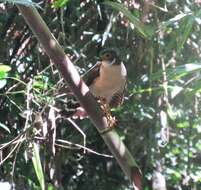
(110, 119)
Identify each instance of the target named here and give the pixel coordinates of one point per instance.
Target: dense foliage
(159, 41)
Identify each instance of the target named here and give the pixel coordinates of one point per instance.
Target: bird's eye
(107, 55)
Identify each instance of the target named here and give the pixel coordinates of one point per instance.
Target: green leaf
(141, 28)
(175, 90)
(183, 70)
(184, 124)
(51, 187)
(172, 113)
(38, 84)
(37, 166)
(3, 83)
(178, 71)
(185, 31)
(41, 82)
(171, 21)
(175, 174)
(4, 127)
(176, 150)
(60, 3)
(5, 68)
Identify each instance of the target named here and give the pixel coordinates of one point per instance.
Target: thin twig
(4, 145)
(28, 114)
(83, 147)
(67, 147)
(62, 26)
(77, 146)
(80, 130)
(14, 162)
(10, 153)
(17, 106)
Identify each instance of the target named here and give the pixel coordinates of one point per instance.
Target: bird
(106, 81)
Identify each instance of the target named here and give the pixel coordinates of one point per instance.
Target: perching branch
(81, 91)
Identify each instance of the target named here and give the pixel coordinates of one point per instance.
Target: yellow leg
(110, 119)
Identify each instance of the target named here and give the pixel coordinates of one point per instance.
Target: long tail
(70, 108)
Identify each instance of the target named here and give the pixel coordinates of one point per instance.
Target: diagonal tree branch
(81, 91)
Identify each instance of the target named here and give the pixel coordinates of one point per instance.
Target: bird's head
(110, 57)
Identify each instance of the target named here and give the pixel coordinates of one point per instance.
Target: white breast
(112, 79)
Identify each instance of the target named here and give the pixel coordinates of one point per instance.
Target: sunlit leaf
(183, 70)
(176, 150)
(174, 173)
(184, 124)
(177, 174)
(172, 113)
(38, 84)
(3, 83)
(60, 3)
(175, 90)
(3, 75)
(41, 82)
(51, 187)
(178, 71)
(5, 68)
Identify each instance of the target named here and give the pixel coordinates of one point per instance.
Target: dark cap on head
(110, 55)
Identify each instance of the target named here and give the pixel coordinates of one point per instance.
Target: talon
(110, 119)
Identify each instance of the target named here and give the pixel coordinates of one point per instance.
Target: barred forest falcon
(106, 81)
